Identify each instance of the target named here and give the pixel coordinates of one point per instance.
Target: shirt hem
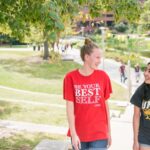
(92, 139)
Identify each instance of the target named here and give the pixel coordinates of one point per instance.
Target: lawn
(32, 92)
(12, 95)
(39, 114)
(26, 140)
(41, 77)
(43, 83)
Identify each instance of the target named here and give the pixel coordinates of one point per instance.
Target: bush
(145, 53)
(54, 56)
(122, 57)
(121, 27)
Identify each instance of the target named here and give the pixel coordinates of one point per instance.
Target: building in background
(84, 23)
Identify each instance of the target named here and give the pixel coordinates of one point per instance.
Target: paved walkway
(16, 49)
(32, 127)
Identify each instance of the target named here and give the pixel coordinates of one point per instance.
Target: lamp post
(129, 71)
(82, 30)
(103, 32)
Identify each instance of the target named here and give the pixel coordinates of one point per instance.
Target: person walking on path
(137, 72)
(86, 91)
(122, 70)
(141, 117)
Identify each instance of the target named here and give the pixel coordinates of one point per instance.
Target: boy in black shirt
(141, 118)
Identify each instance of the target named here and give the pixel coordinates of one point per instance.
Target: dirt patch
(6, 57)
(34, 59)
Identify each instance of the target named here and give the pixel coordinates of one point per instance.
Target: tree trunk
(46, 51)
(52, 44)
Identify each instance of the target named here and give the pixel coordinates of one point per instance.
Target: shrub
(121, 27)
(54, 56)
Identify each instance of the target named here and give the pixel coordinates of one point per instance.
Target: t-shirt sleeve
(136, 99)
(68, 92)
(107, 87)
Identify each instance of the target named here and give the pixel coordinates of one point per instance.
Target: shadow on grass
(43, 70)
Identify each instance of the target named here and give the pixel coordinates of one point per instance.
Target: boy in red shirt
(86, 91)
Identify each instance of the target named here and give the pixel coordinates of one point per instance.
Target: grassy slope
(40, 77)
(46, 78)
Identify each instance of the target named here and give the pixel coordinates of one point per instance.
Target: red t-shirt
(88, 93)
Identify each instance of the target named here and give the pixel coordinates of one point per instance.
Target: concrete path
(16, 49)
(32, 127)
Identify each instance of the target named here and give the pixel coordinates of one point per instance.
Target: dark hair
(87, 48)
(146, 96)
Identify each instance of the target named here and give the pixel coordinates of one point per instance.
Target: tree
(121, 27)
(49, 17)
(46, 15)
(145, 17)
(123, 10)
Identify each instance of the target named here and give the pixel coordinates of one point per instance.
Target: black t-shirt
(141, 99)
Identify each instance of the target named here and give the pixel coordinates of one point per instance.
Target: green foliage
(145, 21)
(126, 10)
(132, 28)
(96, 38)
(51, 16)
(145, 53)
(47, 16)
(145, 17)
(120, 56)
(123, 10)
(121, 27)
(55, 57)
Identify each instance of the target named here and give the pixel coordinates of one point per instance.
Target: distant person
(141, 117)
(39, 47)
(122, 70)
(66, 46)
(34, 47)
(62, 48)
(86, 91)
(137, 72)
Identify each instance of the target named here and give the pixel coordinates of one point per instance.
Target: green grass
(119, 93)
(37, 97)
(44, 77)
(27, 82)
(17, 72)
(33, 113)
(114, 107)
(37, 77)
(26, 141)
(44, 70)
(44, 114)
